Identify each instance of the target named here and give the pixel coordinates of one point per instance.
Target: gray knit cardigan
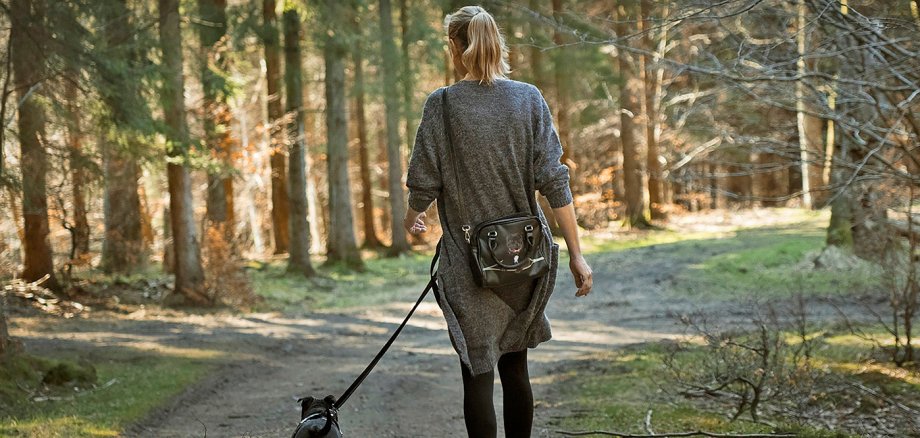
(505, 149)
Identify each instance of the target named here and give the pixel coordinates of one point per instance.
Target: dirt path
(415, 390)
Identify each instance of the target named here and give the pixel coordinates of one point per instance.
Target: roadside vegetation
(628, 391)
(92, 396)
(772, 256)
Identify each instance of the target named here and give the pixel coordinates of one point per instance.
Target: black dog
(318, 418)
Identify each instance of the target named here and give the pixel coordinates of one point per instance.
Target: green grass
(139, 383)
(383, 280)
(772, 263)
(763, 261)
(615, 390)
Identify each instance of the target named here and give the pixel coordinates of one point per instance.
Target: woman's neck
(469, 77)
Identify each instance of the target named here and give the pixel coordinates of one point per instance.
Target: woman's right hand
(582, 274)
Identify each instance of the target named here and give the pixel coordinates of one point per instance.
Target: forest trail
(415, 391)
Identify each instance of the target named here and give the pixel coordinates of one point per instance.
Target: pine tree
(188, 270)
(299, 259)
(342, 245)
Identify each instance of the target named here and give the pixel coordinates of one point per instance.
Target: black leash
(432, 284)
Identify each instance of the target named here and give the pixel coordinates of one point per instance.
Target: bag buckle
(466, 231)
(528, 233)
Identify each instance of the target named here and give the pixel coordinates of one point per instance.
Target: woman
(505, 147)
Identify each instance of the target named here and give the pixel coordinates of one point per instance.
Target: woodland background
(196, 141)
(135, 131)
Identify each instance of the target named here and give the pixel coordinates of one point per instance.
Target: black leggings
(478, 410)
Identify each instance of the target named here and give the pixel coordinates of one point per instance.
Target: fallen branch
(677, 434)
(648, 422)
(913, 412)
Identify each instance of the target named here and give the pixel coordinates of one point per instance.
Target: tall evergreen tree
(562, 71)
(394, 146)
(371, 240)
(299, 260)
(212, 30)
(123, 249)
(654, 42)
(280, 208)
(407, 76)
(77, 161)
(189, 274)
(28, 48)
(341, 242)
(631, 127)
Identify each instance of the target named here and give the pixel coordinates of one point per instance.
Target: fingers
(415, 225)
(585, 287)
(584, 281)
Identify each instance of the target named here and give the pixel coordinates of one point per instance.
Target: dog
(319, 418)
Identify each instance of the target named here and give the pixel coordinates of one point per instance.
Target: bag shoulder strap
(445, 115)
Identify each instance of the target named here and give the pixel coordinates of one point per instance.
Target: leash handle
(432, 284)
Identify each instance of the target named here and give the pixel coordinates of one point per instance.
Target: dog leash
(432, 285)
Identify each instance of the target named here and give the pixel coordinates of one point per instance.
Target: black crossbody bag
(507, 250)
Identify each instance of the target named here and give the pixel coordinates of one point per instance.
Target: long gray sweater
(505, 148)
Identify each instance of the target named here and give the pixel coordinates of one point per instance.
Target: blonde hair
(480, 41)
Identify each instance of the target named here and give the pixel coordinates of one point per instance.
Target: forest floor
(249, 368)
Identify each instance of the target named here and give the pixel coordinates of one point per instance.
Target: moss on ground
(129, 385)
(383, 280)
(772, 263)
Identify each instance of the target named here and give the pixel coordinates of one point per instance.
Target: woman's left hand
(414, 222)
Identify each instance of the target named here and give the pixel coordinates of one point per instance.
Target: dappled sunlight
(897, 373)
(725, 221)
(148, 343)
(52, 427)
(604, 335)
(446, 350)
(427, 316)
(852, 340)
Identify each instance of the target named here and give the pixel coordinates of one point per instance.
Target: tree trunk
(408, 77)
(4, 332)
(217, 118)
(299, 260)
(771, 179)
(123, 248)
(27, 51)
(280, 207)
(539, 79)
(383, 175)
(804, 146)
(341, 242)
(562, 73)
(80, 244)
(740, 184)
(653, 76)
(187, 264)
(394, 149)
(631, 127)
(367, 202)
